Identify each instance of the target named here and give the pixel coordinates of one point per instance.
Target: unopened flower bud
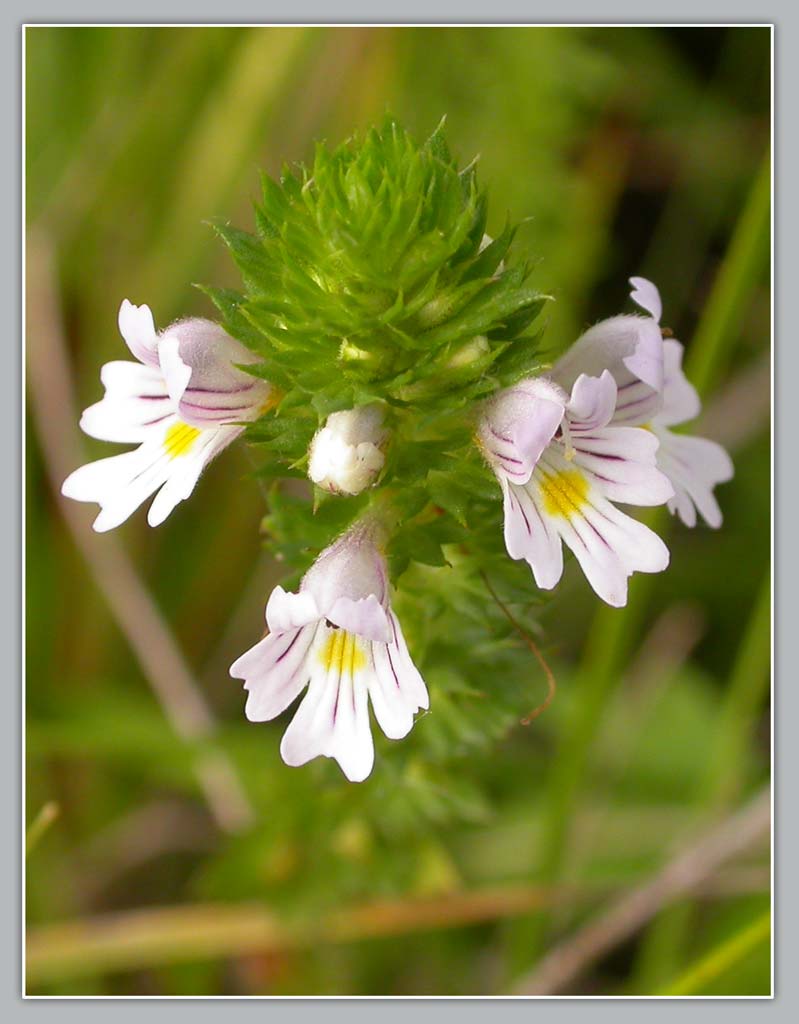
(346, 454)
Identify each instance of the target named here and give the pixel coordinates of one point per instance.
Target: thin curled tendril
(531, 644)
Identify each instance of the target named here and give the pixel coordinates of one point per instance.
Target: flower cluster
(380, 372)
(565, 449)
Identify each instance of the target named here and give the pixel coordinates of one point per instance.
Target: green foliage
(369, 280)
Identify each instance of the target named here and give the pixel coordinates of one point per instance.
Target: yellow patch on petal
(343, 652)
(564, 494)
(179, 439)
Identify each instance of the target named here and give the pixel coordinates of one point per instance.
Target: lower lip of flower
(342, 651)
(564, 494)
(180, 439)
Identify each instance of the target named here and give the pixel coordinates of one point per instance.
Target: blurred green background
(170, 850)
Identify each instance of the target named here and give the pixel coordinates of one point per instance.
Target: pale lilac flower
(561, 466)
(339, 637)
(346, 454)
(183, 402)
(653, 392)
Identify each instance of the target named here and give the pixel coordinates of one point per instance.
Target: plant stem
(162, 935)
(150, 936)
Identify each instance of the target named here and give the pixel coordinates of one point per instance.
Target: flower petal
(351, 567)
(119, 484)
(592, 402)
(275, 671)
(187, 470)
(365, 617)
(396, 688)
(171, 459)
(647, 296)
(694, 465)
(636, 403)
(532, 433)
(517, 426)
(199, 362)
(135, 404)
(680, 398)
(175, 372)
(286, 611)
(628, 346)
(333, 718)
(608, 544)
(621, 463)
(137, 327)
(529, 535)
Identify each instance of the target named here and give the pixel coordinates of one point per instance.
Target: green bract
(370, 278)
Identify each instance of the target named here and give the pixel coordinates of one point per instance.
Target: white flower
(345, 455)
(183, 402)
(561, 465)
(654, 392)
(339, 637)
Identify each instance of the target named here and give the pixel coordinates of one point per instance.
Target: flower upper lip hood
(183, 401)
(347, 585)
(199, 362)
(518, 424)
(631, 347)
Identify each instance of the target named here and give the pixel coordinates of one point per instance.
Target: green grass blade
(722, 959)
(719, 328)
